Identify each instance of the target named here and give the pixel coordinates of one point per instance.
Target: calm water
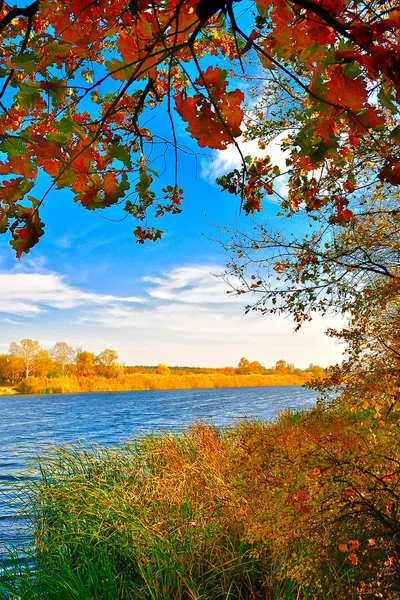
(29, 424)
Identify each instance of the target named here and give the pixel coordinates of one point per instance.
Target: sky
(89, 284)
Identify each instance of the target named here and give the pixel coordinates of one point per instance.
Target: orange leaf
(353, 559)
(213, 123)
(353, 545)
(345, 91)
(24, 238)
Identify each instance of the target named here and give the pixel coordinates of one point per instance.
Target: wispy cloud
(223, 161)
(189, 319)
(27, 293)
(190, 285)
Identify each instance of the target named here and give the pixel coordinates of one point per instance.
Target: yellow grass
(145, 381)
(7, 391)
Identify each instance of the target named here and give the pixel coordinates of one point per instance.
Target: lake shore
(8, 391)
(143, 382)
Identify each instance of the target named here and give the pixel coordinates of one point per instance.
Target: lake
(29, 424)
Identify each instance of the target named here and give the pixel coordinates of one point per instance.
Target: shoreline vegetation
(29, 369)
(286, 510)
(7, 391)
(150, 381)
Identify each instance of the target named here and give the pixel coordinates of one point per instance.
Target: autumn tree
(85, 363)
(163, 370)
(245, 367)
(106, 363)
(80, 79)
(330, 268)
(281, 365)
(62, 355)
(11, 368)
(44, 363)
(318, 371)
(352, 269)
(107, 357)
(31, 354)
(256, 367)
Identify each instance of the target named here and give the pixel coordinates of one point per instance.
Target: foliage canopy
(79, 78)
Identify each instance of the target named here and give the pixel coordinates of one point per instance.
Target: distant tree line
(28, 359)
(245, 367)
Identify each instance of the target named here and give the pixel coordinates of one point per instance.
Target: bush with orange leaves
(321, 491)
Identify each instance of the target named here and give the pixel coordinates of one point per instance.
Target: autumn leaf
(345, 91)
(27, 235)
(353, 559)
(213, 121)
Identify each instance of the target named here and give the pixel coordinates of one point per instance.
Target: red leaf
(24, 238)
(213, 122)
(345, 91)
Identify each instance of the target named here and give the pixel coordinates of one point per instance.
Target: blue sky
(89, 284)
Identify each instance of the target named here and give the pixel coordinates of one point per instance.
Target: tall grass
(146, 381)
(257, 511)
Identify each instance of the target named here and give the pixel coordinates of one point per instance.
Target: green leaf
(352, 70)
(119, 70)
(345, 45)
(122, 188)
(395, 134)
(386, 99)
(28, 95)
(262, 11)
(13, 147)
(67, 125)
(14, 190)
(260, 22)
(67, 179)
(3, 223)
(57, 89)
(122, 153)
(276, 170)
(351, 177)
(27, 61)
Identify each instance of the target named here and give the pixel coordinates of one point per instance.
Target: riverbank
(146, 381)
(295, 509)
(8, 391)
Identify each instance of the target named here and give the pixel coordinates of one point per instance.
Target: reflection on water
(29, 424)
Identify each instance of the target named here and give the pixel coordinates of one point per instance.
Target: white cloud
(12, 321)
(190, 284)
(190, 320)
(210, 335)
(27, 293)
(223, 161)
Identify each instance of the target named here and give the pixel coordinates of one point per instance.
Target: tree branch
(28, 11)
